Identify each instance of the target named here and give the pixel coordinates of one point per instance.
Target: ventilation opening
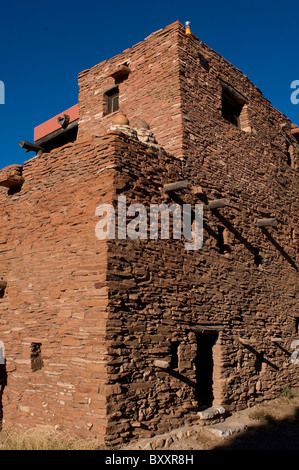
(297, 324)
(220, 240)
(174, 351)
(257, 257)
(259, 362)
(232, 106)
(205, 368)
(36, 357)
(112, 100)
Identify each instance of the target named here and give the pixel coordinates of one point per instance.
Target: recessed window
(257, 257)
(220, 240)
(174, 351)
(231, 109)
(36, 357)
(112, 100)
(297, 324)
(233, 103)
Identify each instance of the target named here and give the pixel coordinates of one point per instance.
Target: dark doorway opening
(204, 368)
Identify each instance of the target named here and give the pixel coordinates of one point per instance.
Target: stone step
(226, 430)
(211, 413)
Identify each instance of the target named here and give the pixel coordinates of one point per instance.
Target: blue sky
(45, 45)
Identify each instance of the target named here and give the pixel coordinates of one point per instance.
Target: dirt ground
(272, 425)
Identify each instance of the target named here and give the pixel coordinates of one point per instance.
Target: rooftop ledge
(55, 123)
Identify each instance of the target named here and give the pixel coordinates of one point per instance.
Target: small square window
(231, 109)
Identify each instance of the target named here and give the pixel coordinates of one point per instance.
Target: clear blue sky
(44, 45)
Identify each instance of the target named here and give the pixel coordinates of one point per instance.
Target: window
(220, 240)
(232, 106)
(174, 362)
(112, 100)
(258, 259)
(36, 357)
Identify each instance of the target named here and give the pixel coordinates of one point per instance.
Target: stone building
(122, 338)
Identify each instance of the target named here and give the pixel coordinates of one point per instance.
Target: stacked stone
(108, 313)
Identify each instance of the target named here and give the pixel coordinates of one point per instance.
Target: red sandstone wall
(151, 92)
(156, 291)
(253, 171)
(56, 293)
(251, 288)
(159, 293)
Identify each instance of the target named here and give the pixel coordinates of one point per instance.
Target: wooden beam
(276, 340)
(217, 203)
(175, 186)
(28, 146)
(207, 328)
(247, 342)
(269, 222)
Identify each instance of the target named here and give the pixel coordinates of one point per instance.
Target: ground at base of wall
(271, 425)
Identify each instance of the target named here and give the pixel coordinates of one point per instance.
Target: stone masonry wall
(150, 93)
(56, 293)
(105, 311)
(159, 293)
(244, 279)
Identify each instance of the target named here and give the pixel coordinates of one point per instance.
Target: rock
(211, 413)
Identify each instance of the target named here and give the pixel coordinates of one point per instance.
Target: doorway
(205, 368)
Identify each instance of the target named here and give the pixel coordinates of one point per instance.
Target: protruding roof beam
(247, 342)
(269, 222)
(176, 186)
(218, 203)
(28, 146)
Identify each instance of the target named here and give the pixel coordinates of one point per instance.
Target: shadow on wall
(252, 249)
(273, 434)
